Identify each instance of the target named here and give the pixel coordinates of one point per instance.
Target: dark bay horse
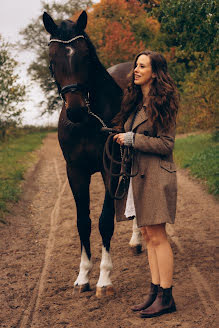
(91, 98)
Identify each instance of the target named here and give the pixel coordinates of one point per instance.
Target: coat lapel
(141, 117)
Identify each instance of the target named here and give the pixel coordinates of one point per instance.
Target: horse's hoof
(82, 288)
(104, 291)
(136, 250)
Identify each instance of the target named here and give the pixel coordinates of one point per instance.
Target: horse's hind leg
(79, 183)
(135, 241)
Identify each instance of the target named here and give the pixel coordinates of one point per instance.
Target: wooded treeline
(185, 32)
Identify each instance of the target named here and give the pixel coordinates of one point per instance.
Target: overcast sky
(15, 15)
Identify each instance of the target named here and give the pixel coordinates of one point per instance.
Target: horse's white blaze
(71, 51)
(105, 269)
(85, 267)
(136, 235)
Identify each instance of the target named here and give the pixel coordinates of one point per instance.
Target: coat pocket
(168, 166)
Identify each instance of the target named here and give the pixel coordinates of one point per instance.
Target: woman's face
(143, 71)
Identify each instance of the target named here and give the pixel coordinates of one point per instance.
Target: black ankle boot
(149, 299)
(164, 303)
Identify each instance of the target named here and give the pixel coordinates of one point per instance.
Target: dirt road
(40, 255)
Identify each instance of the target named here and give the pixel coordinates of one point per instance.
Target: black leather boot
(149, 299)
(164, 303)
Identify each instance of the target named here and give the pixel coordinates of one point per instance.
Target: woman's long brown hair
(163, 98)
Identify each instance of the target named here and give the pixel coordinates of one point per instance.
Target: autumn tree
(150, 4)
(12, 92)
(120, 29)
(190, 30)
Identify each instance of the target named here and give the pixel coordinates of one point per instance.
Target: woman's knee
(144, 233)
(156, 235)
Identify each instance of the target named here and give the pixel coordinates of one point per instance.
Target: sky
(14, 16)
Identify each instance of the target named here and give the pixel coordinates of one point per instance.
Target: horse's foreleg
(106, 227)
(79, 184)
(135, 241)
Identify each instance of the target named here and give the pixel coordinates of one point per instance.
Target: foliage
(150, 4)
(191, 26)
(120, 29)
(12, 93)
(200, 153)
(190, 30)
(200, 105)
(15, 158)
(35, 39)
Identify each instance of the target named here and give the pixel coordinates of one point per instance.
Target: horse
(91, 98)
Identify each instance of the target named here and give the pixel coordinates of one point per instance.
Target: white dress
(130, 206)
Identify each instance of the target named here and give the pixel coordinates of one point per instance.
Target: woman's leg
(152, 258)
(159, 244)
(155, 278)
(164, 302)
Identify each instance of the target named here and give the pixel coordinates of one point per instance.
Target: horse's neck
(106, 92)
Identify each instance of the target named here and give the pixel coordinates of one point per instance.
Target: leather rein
(119, 171)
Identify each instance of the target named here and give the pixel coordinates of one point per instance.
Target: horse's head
(69, 63)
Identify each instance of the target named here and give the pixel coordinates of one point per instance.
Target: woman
(148, 117)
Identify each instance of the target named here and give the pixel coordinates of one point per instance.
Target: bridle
(75, 86)
(71, 87)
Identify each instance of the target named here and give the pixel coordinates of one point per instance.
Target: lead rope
(92, 114)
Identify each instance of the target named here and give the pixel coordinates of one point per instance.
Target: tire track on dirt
(29, 314)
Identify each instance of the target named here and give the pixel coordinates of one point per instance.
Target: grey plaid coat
(155, 186)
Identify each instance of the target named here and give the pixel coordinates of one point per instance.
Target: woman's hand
(119, 138)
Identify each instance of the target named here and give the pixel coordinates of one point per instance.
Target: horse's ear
(49, 24)
(82, 21)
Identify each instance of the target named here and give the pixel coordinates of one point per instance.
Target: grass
(16, 155)
(200, 154)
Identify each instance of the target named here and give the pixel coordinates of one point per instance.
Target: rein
(76, 86)
(118, 168)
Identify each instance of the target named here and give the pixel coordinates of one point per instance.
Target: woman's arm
(163, 144)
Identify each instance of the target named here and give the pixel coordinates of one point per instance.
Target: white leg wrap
(136, 235)
(85, 267)
(105, 269)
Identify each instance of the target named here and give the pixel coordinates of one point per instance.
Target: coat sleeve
(162, 144)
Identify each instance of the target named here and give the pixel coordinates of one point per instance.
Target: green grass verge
(16, 155)
(200, 154)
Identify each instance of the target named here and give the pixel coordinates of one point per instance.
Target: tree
(191, 26)
(150, 4)
(12, 93)
(120, 29)
(35, 39)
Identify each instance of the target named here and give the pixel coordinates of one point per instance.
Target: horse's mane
(98, 65)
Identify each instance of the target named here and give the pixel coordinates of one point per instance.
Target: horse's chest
(85, 153)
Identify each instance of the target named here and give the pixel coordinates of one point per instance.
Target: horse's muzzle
(77, 115)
